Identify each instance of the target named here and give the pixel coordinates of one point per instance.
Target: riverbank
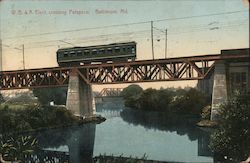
(170, 100)
(208, 123)
(117, 136)
(122, 159)
(31, 118)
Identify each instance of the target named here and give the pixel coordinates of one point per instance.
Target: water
(129, 133)
(133, 133)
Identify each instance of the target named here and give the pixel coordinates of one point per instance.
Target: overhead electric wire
(96, 39)
(204, 26)
(127, 24)
(144, 32)
(90, 38)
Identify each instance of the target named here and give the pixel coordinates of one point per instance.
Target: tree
(149, 100)
(189, 101)
(232, 139)
(131, 94)
(46, 95)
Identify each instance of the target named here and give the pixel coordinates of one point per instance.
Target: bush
(206, 112)
(233, 137)
(155, 100)
(13, 148)
(170, 100)
(34, 118)
(131, 94)
(46, 95)
(189, 101)
(149, 100)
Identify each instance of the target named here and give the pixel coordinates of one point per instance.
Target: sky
(194, 27)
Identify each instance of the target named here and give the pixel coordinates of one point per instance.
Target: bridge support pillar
(79, 97)
(220, 93)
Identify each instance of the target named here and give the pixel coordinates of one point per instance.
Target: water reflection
(126, 132)
(79, 140)
(182, 125)
(161, 137)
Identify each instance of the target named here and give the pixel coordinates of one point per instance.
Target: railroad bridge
(225, 69)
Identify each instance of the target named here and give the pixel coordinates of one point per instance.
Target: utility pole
(166, 43)
(23, 58)
(152, 40)
(1, 55)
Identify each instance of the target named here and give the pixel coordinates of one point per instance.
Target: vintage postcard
(124, 81)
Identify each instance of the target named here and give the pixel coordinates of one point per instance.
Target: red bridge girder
(184, 68)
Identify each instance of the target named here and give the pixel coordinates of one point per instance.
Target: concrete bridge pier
(80, 96)
(220, 93)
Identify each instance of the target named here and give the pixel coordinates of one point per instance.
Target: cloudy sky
(194, 27)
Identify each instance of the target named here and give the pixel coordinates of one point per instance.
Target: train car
(102, 53)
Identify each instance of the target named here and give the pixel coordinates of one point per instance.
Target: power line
(91, 37)
(205, 15)
(127, 24)
(136, 34)
(141, 32)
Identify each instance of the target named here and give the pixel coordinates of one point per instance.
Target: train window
(101, 51)
(79, 53)
(94, 52)
(128, 49)
(124, 49)
(86, 52)
(117, 49)
(110, 51)
(72, 53)
(60, 55)
(133, 50)
(65, 54)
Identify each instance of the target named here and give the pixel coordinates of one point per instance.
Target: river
(129, 133)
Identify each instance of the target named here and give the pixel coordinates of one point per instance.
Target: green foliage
(15, 148)
(29, 118)
(157, 100)
(233, 137)
(170, 100)
(189, 101)
(131, 95)
(1, 98)
(46, 95)
(23, 99)
(206, 112)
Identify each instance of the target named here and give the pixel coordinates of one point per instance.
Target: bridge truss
(110, 92)
(173, 69)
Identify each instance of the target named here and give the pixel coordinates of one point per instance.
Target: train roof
(98, 46)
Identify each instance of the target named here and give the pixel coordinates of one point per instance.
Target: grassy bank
(20, 118)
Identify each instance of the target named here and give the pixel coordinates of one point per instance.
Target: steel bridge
(110, 92)
(173, 69)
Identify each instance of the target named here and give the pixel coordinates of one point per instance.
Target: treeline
(30, 118)
(168, 100)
